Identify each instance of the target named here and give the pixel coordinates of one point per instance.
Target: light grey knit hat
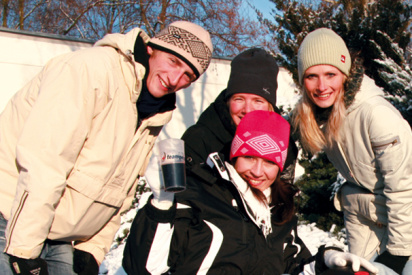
(188, 41)
(323, 46)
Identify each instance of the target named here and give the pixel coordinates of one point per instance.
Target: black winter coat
(214, 132)
(209, 232)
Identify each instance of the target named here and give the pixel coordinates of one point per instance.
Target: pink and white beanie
(262, 134)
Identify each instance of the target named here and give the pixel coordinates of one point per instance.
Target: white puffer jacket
(375, 157)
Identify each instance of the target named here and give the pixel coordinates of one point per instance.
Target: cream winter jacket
(375, 157)
(70, 154)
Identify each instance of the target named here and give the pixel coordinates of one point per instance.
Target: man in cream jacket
(75, 140)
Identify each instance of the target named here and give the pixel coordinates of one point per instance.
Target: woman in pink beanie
(239, 219)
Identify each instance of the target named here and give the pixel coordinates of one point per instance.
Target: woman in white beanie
(344, 113)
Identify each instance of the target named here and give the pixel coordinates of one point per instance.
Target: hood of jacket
(123, 42)
(127, 44)
(356, 85)
(367, 90)
(218, 120)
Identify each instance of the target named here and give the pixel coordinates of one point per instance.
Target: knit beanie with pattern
(323, 47)
(188, 41)
(254, 71)
(262, 134)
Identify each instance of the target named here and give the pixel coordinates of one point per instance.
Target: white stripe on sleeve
(159, 252)
(217, 241)
(309, 269)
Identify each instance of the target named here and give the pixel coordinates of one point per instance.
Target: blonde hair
(315, 134)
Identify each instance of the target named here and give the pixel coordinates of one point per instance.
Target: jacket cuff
(97, 253)
(159, 215)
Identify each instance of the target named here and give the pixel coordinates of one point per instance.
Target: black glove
(21, 266)
(397, 263)
(84, 263)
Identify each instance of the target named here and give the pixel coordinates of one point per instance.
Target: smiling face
(323, 83)
(258, 172)
(241, 104)
(167, 73)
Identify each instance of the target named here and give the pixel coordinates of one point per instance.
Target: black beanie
(254, 71)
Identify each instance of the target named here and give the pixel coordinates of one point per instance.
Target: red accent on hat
(343, 58)
(262, 134)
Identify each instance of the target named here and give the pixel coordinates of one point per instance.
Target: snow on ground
(309, 233)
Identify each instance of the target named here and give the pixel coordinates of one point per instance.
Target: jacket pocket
(387, 154)
(73, 216)
(359, 201)
(378, 210)
(96, 189)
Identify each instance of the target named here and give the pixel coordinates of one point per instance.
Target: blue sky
(265, 6)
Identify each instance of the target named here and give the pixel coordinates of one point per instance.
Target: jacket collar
(133, 72)
(216, 118)
(367, 90)
(259, 212)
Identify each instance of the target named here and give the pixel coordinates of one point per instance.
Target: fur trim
(353, 84)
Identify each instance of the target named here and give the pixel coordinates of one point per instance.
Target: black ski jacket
(209, 231)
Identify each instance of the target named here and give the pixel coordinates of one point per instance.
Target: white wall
(23, 54)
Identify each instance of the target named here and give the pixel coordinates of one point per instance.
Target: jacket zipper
(385, 146)
(244, 218)
(15, 217)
